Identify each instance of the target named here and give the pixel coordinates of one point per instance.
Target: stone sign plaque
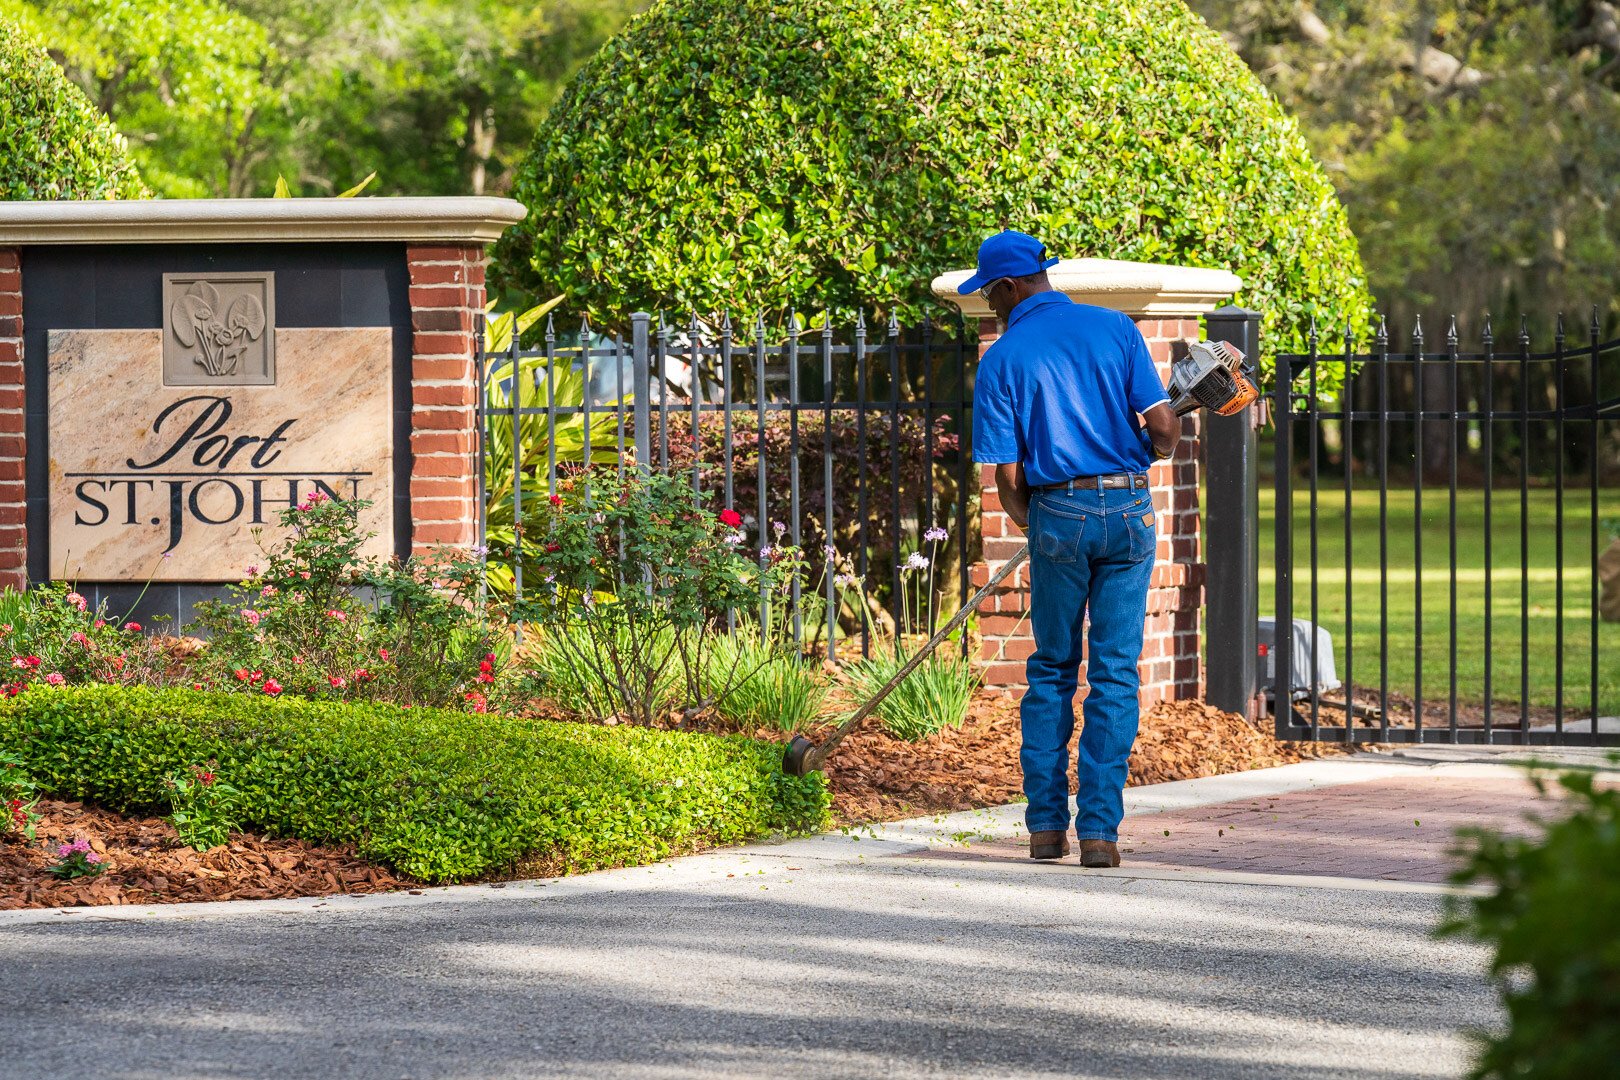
(219, 329)
(153, 480)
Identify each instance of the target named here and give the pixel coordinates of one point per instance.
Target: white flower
(765, 552)
(844, 581)
(778, 528)
(733, 540)
(917, 561)
(935, 535)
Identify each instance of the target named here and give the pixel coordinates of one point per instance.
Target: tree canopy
(219, 97)
(1475, 143)
(53, 142)
(836, 154)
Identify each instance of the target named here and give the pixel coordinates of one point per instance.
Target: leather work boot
(1097, 854)
(1049, 844)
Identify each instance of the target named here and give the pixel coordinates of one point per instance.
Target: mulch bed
(148, 865)
(874, 777)
(877, 777)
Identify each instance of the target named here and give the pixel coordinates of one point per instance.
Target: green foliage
(298, 624)
(202, 807)
(18, 797)
(53, 142)
(1550, 917)
(761, 683)
(439, 795)
(53, 636)
(639, 576)
(836, 154)
(932, 698)
(220, 97)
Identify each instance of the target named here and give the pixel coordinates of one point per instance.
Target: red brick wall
(1170, 666)
(447, 295)
(13, 490)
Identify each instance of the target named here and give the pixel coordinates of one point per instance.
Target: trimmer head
(800, 759)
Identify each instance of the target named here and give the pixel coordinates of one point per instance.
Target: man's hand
(1164, 428)
(1014, 491)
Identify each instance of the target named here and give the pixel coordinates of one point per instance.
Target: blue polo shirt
(1060, 391)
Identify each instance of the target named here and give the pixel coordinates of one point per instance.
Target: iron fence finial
(551, 327)
(1383, 330)
(1485, 334)
(1597, 327)
(1451, 332)
(1524, 330)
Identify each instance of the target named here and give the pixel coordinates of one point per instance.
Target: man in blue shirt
(1056, 409)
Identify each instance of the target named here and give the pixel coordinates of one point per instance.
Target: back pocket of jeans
(1055, 537)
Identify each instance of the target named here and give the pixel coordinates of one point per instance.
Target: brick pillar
(1170, 667)
(446, 295)
(13, 404)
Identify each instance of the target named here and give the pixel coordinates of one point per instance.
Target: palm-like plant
(539, 438)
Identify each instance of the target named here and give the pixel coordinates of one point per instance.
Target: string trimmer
(803, 757)
(1212, 375)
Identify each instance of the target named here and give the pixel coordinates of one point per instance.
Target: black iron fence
(849, 442)
(1440, 515)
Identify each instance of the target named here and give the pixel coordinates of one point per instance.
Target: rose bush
(319, 620)
(638, 578)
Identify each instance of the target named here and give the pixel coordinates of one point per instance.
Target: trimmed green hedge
(439, 795)
(755, 155)
(54, 144)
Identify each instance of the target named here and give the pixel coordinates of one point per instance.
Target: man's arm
(1163, 427)
(1014, 492)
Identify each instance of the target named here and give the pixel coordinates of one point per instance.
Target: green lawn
(1503, 645)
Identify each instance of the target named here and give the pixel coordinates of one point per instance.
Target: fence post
(641, 387)
(1232, 536)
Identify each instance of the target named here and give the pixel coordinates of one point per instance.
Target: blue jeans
(1088, 550)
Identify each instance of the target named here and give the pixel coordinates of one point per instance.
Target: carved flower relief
(220, 341)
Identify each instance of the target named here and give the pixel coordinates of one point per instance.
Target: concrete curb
(890, 840)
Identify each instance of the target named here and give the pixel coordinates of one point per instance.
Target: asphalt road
(829, 957)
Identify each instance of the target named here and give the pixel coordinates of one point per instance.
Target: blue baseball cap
(1007, 254)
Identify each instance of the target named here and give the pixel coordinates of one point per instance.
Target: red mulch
(148, 865)
(876, 777)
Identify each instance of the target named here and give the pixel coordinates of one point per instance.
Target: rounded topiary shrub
(757, 155)
(54, 144)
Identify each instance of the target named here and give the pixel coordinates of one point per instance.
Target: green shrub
(837, 154)
(296, 625)
(439, 795)
(1551, 917)
(53, 142)
(639, 576)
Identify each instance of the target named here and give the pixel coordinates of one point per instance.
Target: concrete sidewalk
(922, 948)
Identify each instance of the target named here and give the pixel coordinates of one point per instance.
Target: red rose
(556, 500)
(730, 517)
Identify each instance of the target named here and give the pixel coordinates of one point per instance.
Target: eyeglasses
(985, 292)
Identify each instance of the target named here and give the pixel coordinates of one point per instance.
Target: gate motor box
(1309, 641)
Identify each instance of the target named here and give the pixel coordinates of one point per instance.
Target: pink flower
(304, 574)
(97, 625)
(272, 687)
(336, 680)
(269, 590)
(133, 627)
(79, 638)
(253, 571)
(251, 616)
(77, 601)
(92, 858)
(336, 614)
(361, 674)
(383, 653)
(55, 678)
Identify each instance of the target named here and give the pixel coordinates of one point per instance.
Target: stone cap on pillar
(466, 219)
(1141, 290)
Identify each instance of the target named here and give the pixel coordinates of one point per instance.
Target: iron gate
(1440, 514)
